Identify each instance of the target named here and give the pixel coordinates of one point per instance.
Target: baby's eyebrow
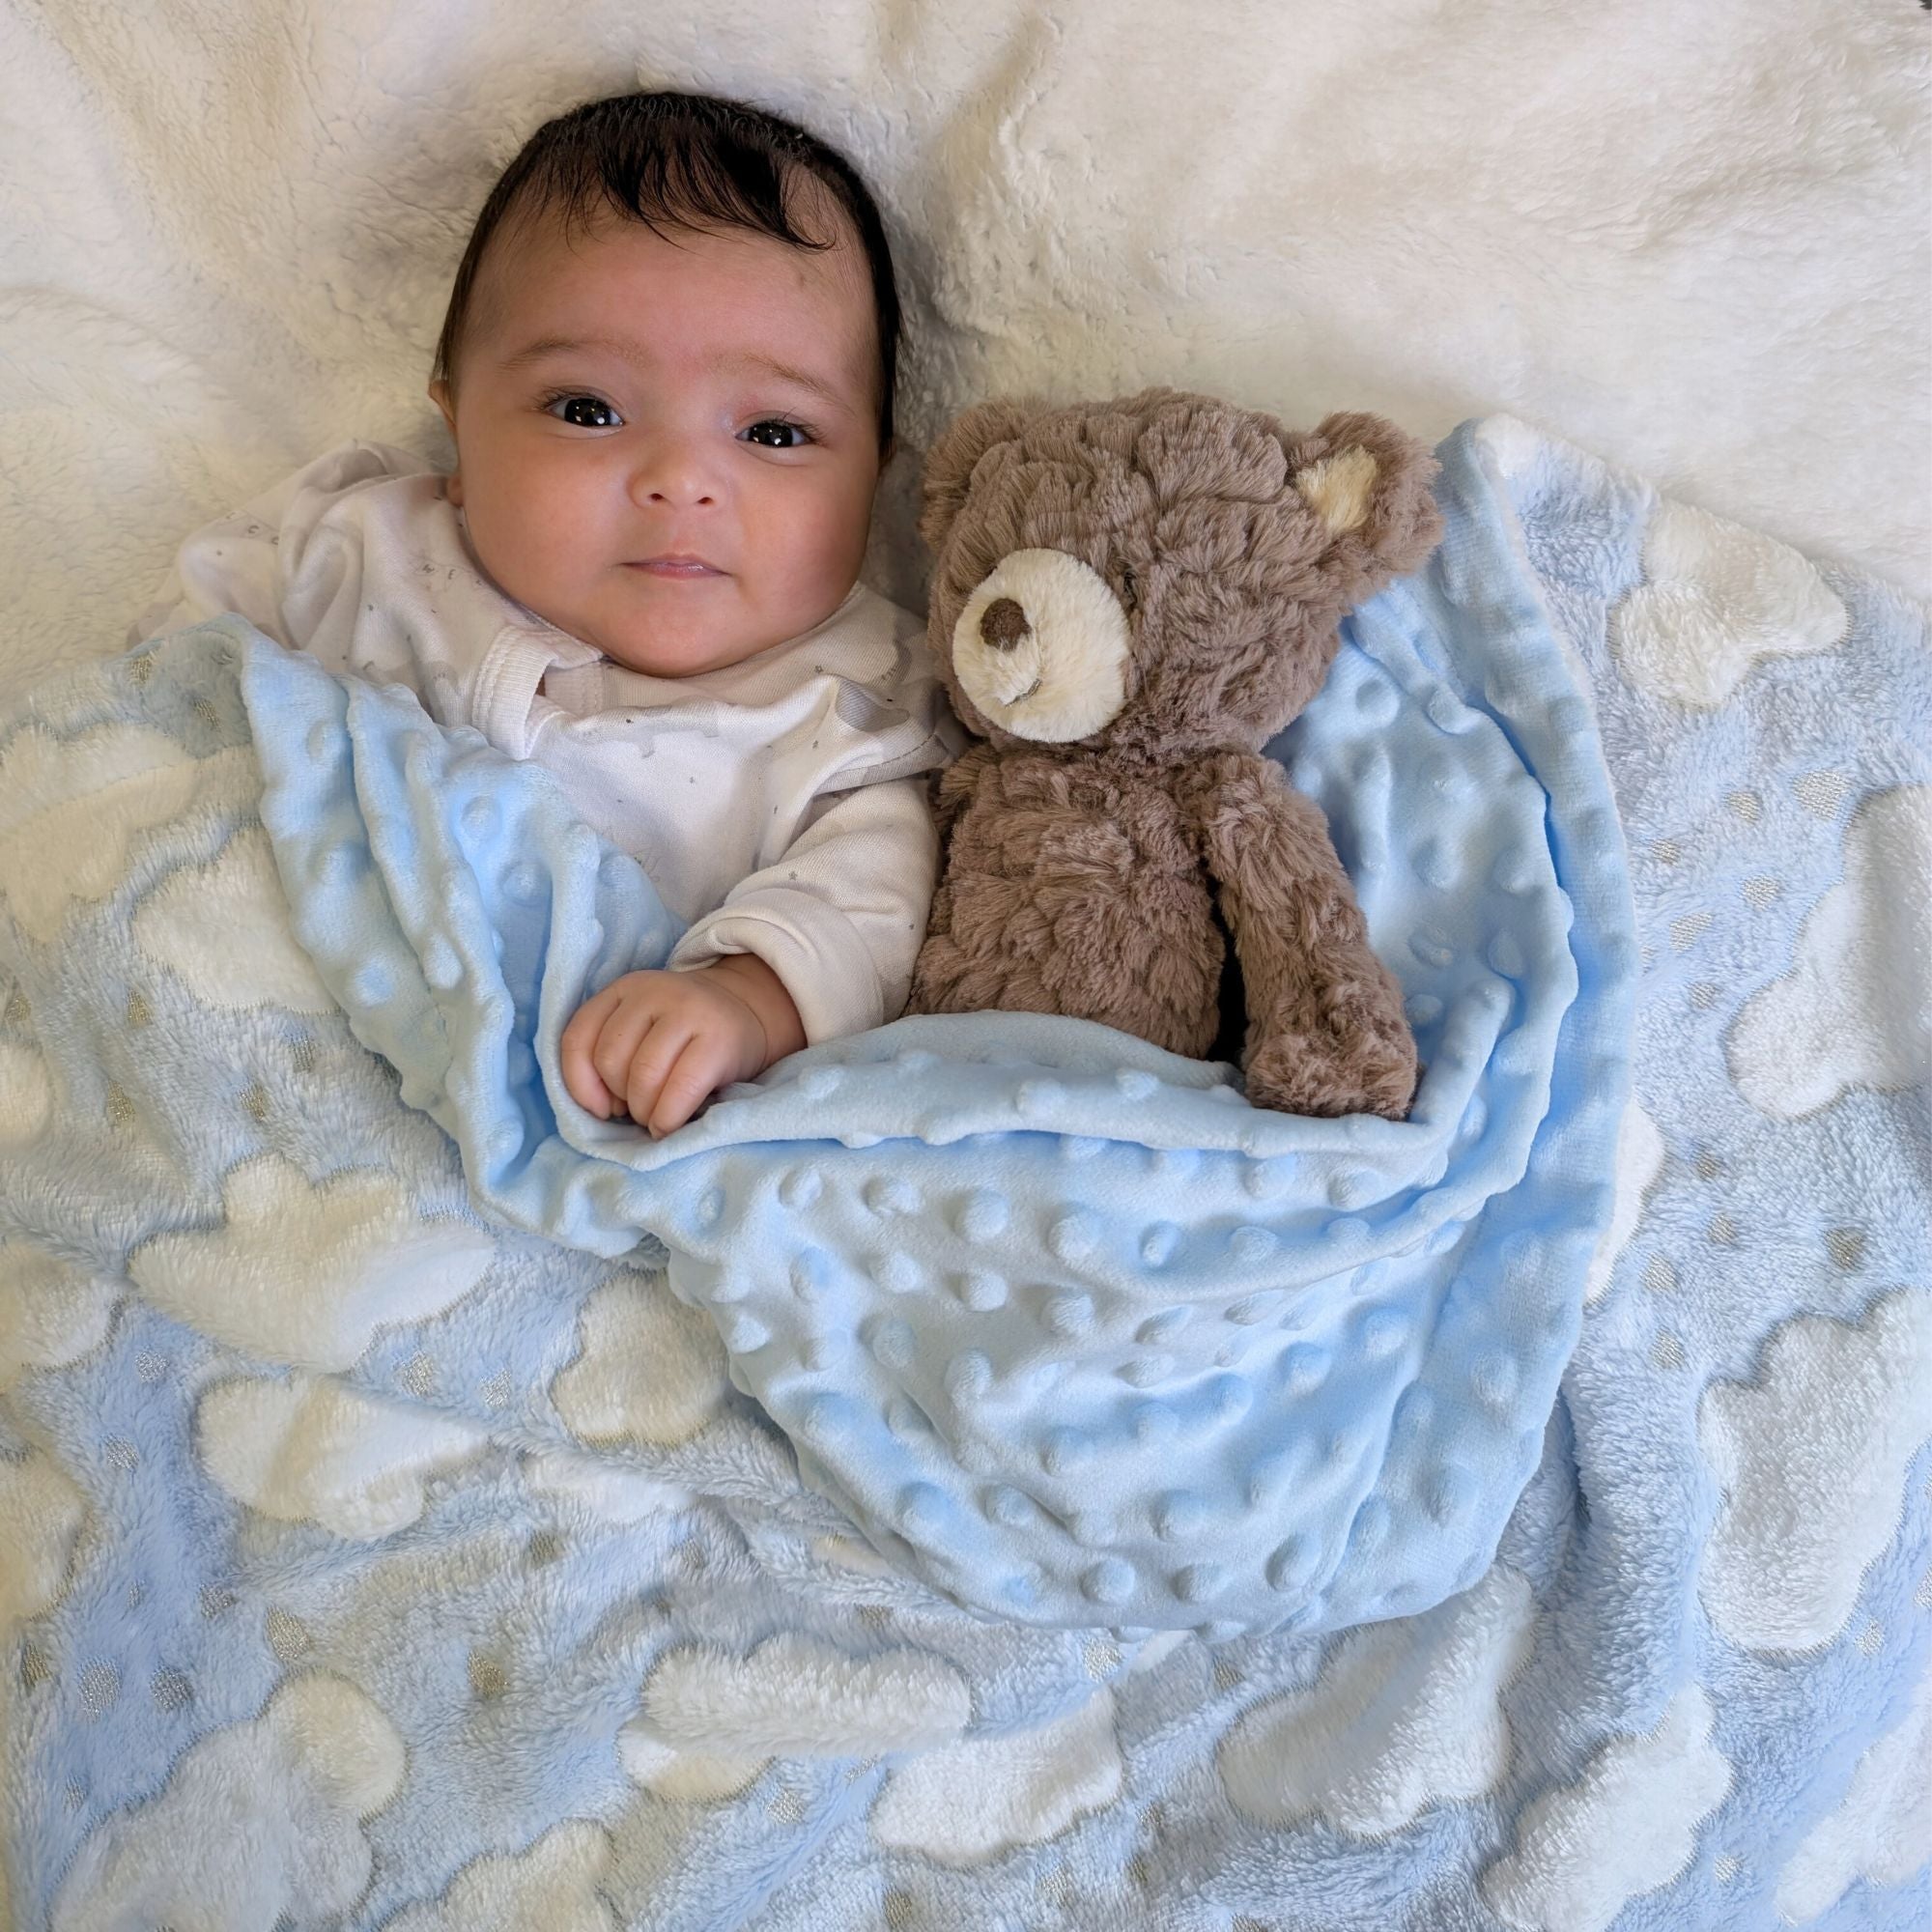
(770, 365)
(788, 372)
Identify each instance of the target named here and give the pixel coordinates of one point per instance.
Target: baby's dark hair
(679, 160)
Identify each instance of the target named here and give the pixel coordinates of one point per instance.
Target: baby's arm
(819, 944)
(230, 564)
(278, 562)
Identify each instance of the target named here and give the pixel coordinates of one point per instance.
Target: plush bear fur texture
(1129, 599)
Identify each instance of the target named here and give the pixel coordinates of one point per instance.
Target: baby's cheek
(537, 517)
(498, 538)
(826, 546)
(549, 532)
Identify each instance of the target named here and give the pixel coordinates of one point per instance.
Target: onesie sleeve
(276, 562)
(840, 915)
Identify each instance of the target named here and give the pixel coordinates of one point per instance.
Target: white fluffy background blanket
(1691, 235)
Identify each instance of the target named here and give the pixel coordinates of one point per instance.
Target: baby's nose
(1003, 623)
(679, 488)
(672, 470)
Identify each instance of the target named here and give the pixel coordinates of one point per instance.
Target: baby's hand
(658, 1045)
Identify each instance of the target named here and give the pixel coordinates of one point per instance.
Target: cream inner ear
(1054, 671)
(1338, 489)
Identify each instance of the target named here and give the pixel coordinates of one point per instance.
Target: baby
(667, 365)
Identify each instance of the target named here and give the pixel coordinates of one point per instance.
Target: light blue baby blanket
(1069, 1328)
(391, 1533)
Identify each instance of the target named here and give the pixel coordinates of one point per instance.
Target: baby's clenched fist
(657, 1045)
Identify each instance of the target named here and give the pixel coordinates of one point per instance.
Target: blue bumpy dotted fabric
(1069, 1328)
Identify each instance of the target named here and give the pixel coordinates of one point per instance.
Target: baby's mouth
(676, 566)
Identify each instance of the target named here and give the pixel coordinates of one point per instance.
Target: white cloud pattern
(1718, 598)
(712, 1720)
(71, 810)
(292, 1789)
(694, 1777)
(1810, 1457)
(306, 1274)
(553, 1887)
(40, 1518)
(1403, 1715)
(795, 1696)
(649, 1371)
(1855, 1009)
(216, 926)
(312, 1451)
(968, 1803)
(26, 1095)
(1626, 1827)
(607, 1491)
(51, 1312)
(1881, 1831)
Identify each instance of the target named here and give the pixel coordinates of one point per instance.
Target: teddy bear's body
(1132, 598)
(1055, 866)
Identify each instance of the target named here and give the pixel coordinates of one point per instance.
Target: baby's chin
(671, 643)
(668, 650)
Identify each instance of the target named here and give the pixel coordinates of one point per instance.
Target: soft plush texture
(369, 1554)
(1129, 599)
(1690, 237)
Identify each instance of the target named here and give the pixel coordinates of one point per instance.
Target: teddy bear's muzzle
(1042, 647)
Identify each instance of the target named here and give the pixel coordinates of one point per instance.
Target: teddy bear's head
(1157, 575)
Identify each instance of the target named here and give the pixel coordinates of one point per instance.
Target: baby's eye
(584, 411)
(774, 433)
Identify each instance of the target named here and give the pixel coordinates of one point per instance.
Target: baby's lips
(675, 563)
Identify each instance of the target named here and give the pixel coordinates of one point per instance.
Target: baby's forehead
(829, 285)
(548, 279)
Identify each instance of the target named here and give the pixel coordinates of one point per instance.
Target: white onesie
(776, 804)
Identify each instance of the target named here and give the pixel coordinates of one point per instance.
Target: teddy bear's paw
(1331, 1079)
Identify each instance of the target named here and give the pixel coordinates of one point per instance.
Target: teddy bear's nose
(1003, 623)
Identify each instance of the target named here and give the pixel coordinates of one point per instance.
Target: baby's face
(668, 448)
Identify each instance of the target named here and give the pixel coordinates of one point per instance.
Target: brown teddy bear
(1129, 599)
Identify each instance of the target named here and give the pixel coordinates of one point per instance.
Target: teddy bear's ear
(955, 450)
(1369, 483)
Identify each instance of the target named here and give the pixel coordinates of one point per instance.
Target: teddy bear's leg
(1325, 1029)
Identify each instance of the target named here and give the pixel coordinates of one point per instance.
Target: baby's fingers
(642, 1082)
(619, 1042)
(697, 1072)
(575, 1053)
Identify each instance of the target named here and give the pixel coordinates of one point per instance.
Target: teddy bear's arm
(953, 787)
(936, 972)
(1325, 1029)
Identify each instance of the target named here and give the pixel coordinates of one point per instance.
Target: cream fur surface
(1690, 235)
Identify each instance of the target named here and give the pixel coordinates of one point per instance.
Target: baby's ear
(438, 395)
(1369, 483)
(955, 451)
